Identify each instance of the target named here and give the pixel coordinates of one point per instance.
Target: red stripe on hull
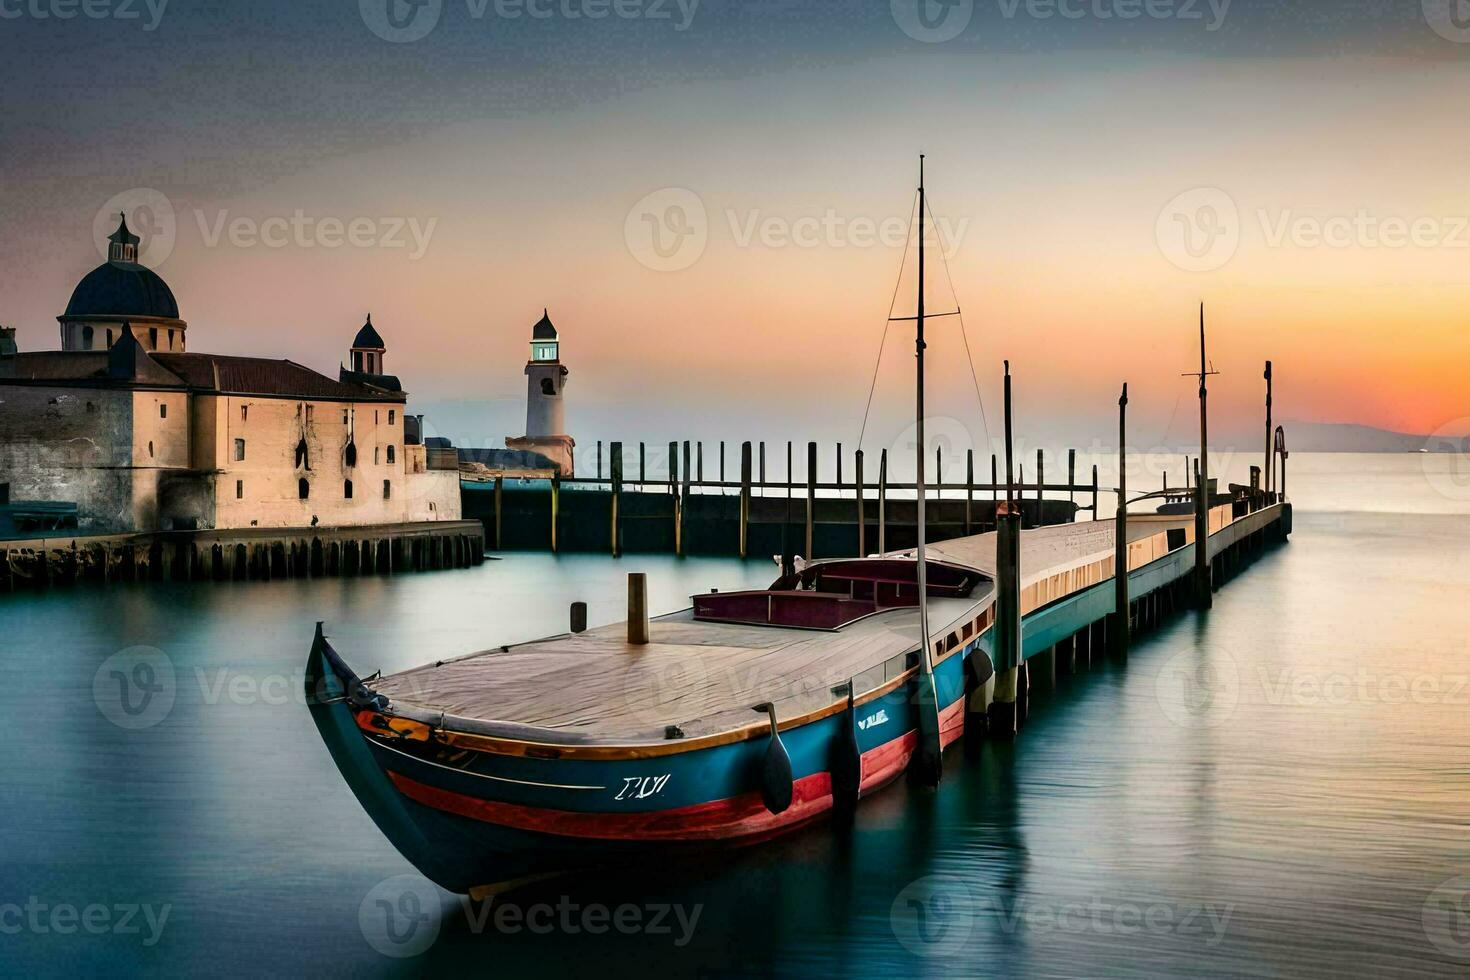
(744, 816)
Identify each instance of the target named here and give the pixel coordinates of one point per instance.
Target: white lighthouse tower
(546, 380)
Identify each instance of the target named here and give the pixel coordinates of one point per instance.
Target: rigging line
(965, 334)
(892, 303)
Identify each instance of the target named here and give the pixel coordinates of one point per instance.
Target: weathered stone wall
(71, 444)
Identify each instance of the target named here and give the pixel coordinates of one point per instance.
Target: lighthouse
(546, 380)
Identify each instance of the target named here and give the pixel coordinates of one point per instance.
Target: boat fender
(776, 784)
(847, 760)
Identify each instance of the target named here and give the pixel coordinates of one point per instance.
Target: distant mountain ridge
(1336, 437)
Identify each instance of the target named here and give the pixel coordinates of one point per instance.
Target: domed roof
(543, 330)
(122, 289)
(367, 338)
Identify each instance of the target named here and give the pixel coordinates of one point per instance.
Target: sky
(714, 200)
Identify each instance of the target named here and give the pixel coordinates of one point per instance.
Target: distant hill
(1331, 437)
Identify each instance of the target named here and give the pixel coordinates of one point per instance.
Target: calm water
(1279, 788)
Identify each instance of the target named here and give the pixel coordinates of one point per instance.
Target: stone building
(144, 435)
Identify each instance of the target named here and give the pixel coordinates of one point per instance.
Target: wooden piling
(969, 488)
(499, 508)
(616, 465)
(745, 453)
(811, 497)
(1119, 647)
(862, 522)
(684, 503)
(556, 514)
(1072, 480)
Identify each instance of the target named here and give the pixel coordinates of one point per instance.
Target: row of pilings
(220, 556)
(1000, 708)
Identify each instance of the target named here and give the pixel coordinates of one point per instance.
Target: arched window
(347, 489)
(153, 338)
(390, 455)
(302, 462)
(87, 337)
(547, 388)
(109, 338)
(303, 489)
(351, 453)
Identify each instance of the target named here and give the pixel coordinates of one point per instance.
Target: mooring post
(599, 459)
(674, 469)
(1003, 714)
(969, 489)
(722, 464)
(1120, 628)
(763, 467)
(1040, 488)
(642, 464)
(637, 608)
(699, 462)
(616, 463)
(811, 496)
(556, 511)
(745, 450)
(839, 469)
(882, 501)
(579, 617)
(862, 522)
(1268, 471)
(1095, 515)
(684, 504)
(499, 500)
(1072, 481)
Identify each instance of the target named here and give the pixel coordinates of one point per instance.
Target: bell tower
(546, 380)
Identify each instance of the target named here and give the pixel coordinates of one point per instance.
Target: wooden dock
(241, 554)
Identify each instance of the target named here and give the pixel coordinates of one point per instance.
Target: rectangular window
(239, 489)
(163, 411)
(239, 450)
(390, 455)
(387, 489)
(346, 417)
(376, 420)
(392, 415)
(375, 456)
(310, 411)
(245, 412)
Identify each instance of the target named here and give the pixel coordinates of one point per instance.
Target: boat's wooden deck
(706, 677)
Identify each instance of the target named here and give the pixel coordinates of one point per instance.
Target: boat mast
(930, 764)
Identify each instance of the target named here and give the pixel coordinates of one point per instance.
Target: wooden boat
(742, 717)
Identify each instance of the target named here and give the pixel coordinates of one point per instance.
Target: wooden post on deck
(1072, 480)
(862, 523)
(699, 462)
(763, 467)
(811, 496)
(616, 463)
(744, 498)
(579, 617)
(882, 501)
(1119, 629)
(637, 608)
(722, 464)
(1003, 715)
(969, 488)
